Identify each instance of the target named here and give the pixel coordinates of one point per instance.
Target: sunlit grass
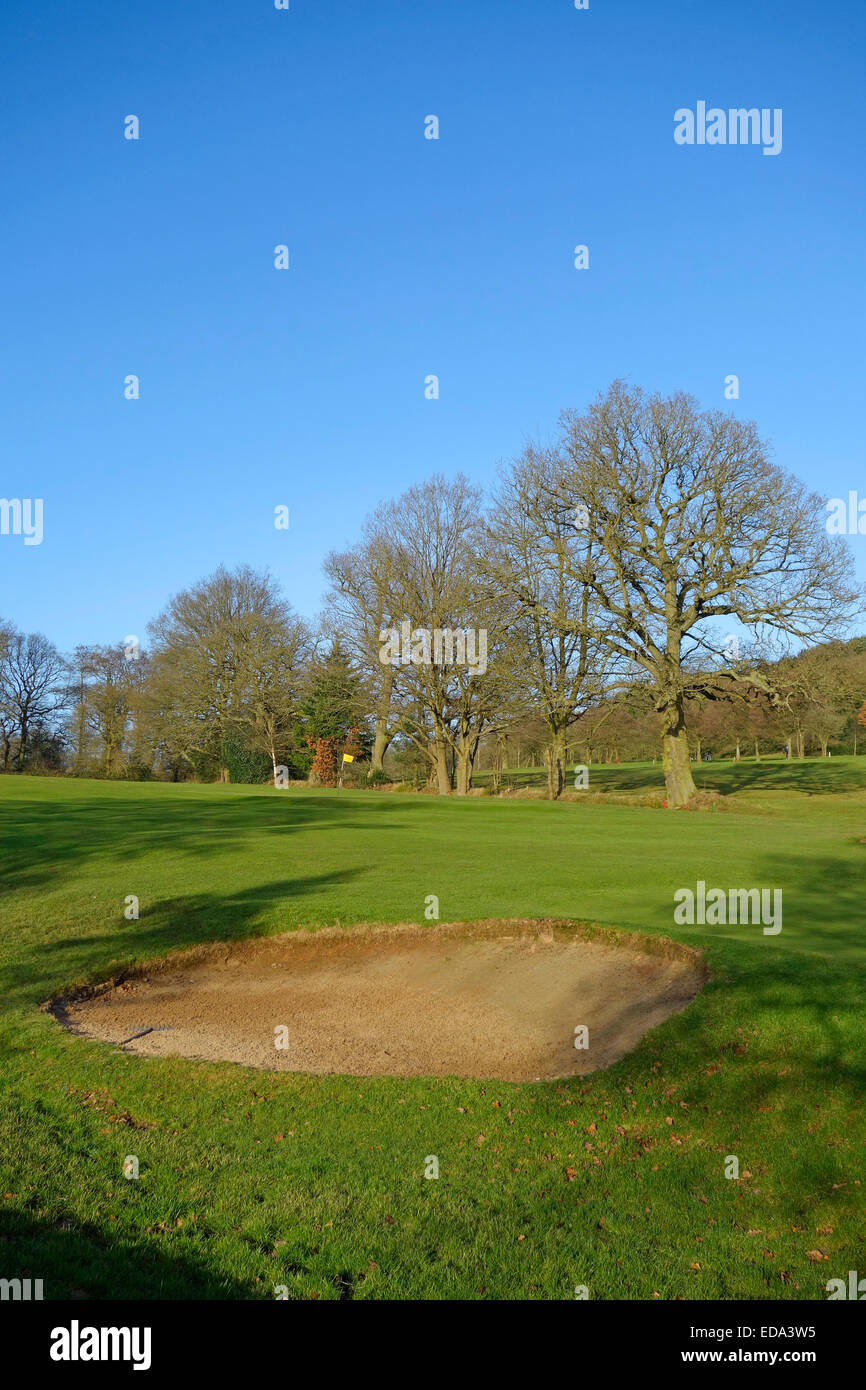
(250, 1180)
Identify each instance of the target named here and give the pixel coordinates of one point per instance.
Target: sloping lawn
(250, 1180)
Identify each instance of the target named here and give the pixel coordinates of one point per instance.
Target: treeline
(233, 687)
(635, 587)
(822, 710)
(111, 712)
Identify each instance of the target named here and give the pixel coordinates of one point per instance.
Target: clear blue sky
(408, 257)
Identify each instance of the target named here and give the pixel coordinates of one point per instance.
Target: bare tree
(204, 650)
(536, 557)
(8, 720)
(358, 608)
(440, 604)
(105, 686)
(32, 689)
(689, 522)
(273, 665)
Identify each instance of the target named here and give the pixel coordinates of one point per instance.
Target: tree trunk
(757, 752)
(79, 752)
(467, 752)
(443, 776)
(557, 762)
(675, 755)
(500, 758)
(737, 754)
(383, 709)
(22, 744)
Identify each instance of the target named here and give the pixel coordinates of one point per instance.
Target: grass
(250, 1180)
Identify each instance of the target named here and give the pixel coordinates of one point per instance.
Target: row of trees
(233, 686)
(606, 574)
(823, 707)
(610, 566)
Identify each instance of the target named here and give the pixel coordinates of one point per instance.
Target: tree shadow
(49, 837)
(167, 925)
(82, 1261)
(811, 776)
(782, 1052)
(811, 973)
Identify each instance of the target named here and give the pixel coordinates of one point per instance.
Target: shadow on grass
(168, 925)
(770, 1067)
(824, 902)
(811, 777)
(75, 1260)
(50, 837)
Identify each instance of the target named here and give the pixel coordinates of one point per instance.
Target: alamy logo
(717, 908)
(22, 516)
(847, 521)
(20, 1290)
(736, 126)
(439, 646)
(856, 1287)
(76, 1343)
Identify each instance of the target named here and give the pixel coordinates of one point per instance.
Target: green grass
(251, 1179)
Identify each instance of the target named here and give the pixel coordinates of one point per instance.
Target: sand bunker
(499, 1000)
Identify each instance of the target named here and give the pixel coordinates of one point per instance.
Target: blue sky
(408, 257)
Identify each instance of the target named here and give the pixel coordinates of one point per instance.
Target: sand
(499, 999)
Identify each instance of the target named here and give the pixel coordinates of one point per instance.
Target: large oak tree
(691, 523)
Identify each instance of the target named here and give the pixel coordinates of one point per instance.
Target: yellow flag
(348, 758)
